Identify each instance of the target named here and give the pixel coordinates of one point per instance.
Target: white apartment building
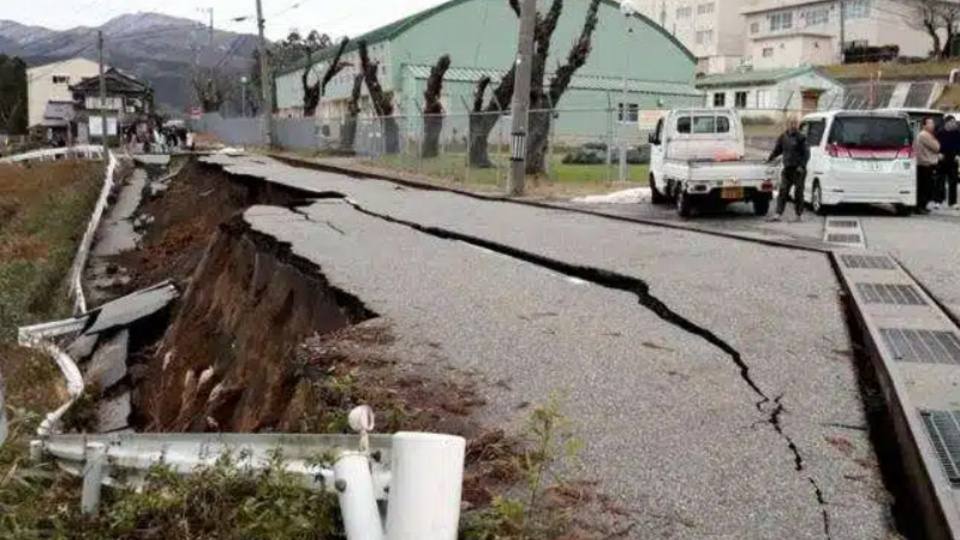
(51, 82)
(712, 29)
(792, 33)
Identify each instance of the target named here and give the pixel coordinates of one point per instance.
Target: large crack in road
(641, 289)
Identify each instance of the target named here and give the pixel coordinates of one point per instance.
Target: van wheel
(655, 196)
(903, 210)
(816, 200)
(761, 206)
(684, 204)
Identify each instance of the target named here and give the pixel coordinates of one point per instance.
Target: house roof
(613, 84)
(396, 28)
(117, 82)
(752, 78)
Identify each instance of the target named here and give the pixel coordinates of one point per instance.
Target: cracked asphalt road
(672, 428)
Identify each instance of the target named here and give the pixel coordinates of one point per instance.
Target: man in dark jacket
(949, 138)
(792, 145)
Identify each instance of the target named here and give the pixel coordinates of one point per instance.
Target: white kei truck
(697, 159)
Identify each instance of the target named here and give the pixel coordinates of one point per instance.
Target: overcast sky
(335, 17)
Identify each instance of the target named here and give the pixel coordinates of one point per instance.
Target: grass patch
(453, 166)
(43, 213)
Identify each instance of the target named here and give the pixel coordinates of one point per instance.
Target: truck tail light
(767, 186)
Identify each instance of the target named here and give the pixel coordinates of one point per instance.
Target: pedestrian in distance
(792, 145)
(927, 151)
(949, 140)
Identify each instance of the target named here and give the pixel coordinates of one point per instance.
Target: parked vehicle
(917, 116)
(861, 157)
(697, 158)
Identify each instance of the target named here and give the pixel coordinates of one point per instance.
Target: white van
(860, 157)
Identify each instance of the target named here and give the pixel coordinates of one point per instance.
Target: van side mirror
(652, 139)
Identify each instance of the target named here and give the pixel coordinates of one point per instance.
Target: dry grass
(890, 70)
(43, 213)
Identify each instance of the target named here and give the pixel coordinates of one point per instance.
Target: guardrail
(51, 154)
(83, 251)
(419, 475)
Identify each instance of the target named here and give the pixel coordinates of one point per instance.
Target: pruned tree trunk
(433, 108)
(484, 119)
(348, 133)
(313, 92)
(538, 134)
(382, 101)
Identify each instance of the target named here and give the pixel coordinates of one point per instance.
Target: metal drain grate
(891, 293)
(838, 238)
(923, 346)
(943, 427)
(843, 224)
(867, 262)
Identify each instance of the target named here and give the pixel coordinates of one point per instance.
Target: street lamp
(243, 95)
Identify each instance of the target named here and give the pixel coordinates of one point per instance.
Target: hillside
(160, 49)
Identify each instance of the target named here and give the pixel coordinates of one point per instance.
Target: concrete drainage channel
(846, 233)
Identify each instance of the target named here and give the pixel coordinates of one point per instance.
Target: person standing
(927, 152)
(950, 149)
(792, 145)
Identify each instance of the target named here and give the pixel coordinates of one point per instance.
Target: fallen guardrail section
(418, 475)
(86, 244)
(87, 151)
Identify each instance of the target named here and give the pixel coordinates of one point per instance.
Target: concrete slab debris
(114, 414)
(136, 306)
(109, 364)
(82, 347)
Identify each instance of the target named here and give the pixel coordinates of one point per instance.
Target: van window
(703, 124)
(813, 130)
(871, 132)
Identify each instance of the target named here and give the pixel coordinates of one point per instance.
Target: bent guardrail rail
(86, 244)
(87, 151)
(419, 475)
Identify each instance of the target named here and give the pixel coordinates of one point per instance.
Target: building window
(684, 12)
(705, 9)
(857, 9)
(628, 113)
(740, 100)
(781, 21)
(816, 17)
(61, 79)
(705, 37)
(754, 28)
(719, 99)
(767, 52)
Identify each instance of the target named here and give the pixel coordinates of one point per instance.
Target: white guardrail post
(425, 487)
(94, 455)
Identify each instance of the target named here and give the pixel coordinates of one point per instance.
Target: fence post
(609, 138)
(425, 486)
(94, 457)
(358, 503)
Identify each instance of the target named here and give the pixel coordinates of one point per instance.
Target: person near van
(792, 145)
(949, 139)
(927, 152)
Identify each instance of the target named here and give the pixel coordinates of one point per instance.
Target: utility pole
(843, 32)
(266, 81)
(521, 98)
(103, 96)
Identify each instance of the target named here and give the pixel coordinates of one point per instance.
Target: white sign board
(647, 120)
(96, 126)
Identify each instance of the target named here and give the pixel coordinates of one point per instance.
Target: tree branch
(543, 34)
(577, 57)
(480, 93)
(431, 95)
(515, 6)
(336, 66)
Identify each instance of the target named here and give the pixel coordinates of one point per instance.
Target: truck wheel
(903, 210)
(684, 204)
(816, 200)
(761, 206)
(655, 196)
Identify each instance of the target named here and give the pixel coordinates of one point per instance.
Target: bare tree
(312, 92)
(348, 133)
(210, 87)
(940, 20)
(382, 101)
(433, 108)
(543, 98)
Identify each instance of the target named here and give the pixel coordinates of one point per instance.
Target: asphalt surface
(671, 423)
